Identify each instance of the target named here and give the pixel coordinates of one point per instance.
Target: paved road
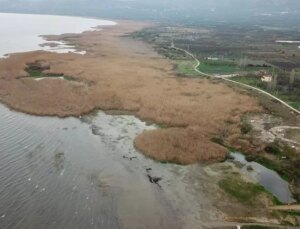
(232, 81)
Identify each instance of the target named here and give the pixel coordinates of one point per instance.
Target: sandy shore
(119, 73)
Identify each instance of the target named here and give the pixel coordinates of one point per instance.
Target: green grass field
(243, 191)
(218, 67)
(186, 67)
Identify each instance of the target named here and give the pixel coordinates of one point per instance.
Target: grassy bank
(245, 192)
(186, 68)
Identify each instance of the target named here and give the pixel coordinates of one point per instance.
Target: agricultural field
(218, 67)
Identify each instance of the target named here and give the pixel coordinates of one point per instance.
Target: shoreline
(137, 73)
(60, 15)
(36, 39)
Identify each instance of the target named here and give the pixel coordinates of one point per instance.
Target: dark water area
(269, 179)
(85, 173)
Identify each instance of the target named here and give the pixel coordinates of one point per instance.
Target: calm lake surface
(21, 32)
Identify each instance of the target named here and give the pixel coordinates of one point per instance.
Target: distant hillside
(281, 12)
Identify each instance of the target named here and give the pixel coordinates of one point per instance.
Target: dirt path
(287, 208)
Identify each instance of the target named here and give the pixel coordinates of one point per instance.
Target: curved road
(232, 81)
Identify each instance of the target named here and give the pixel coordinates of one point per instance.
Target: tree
(274, 85)
(243, 62)
(271, 86)
(292, 78)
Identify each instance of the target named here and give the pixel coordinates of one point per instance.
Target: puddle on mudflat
(269, 179)
(85, 173)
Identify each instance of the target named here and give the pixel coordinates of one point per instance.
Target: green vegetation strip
(218, 67)
(294, 213)
(38, 73)
(186, 68)
(243, 191)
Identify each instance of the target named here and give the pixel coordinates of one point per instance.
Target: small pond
(269, 179)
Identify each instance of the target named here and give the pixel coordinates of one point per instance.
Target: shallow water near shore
(85, 173)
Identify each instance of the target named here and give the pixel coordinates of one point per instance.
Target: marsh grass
(35, 72)
(245, 127)
(245, 192)
(186, 68)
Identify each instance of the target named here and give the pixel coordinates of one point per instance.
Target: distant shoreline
(31, 39)
(62, 15)
(288, 42)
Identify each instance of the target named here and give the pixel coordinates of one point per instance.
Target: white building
(266, 78)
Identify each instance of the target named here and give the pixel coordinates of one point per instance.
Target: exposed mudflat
(85, 173)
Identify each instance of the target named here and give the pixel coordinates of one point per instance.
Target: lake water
(22, 32)
(85, 173)
(269, 179)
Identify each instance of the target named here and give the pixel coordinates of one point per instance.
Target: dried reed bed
(179, 145)
(122, 74)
